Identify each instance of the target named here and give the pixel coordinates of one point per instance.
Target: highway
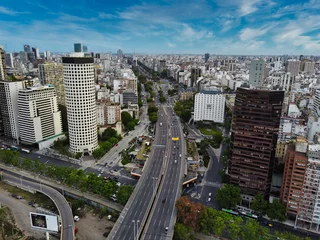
(65, 212)
(163, 213)
(134, 214)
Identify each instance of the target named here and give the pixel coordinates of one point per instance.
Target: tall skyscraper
(9, 107)
(256, 73)
(9, 60)
(78, 47)
(255, 127)
(3, 73)
(85, 49)
(26, 48)
(120, 53)
(52, 73)
(293, 67)
(39, 116)
(48, 55)
(206, 57)
(81, 103)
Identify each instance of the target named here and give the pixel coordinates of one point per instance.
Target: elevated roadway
(65, 212)
(135, 212)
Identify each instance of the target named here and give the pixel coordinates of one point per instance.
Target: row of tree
(128, 121)
(67, 175)
(107, 140)
(153, 113)
(183, 109)
(195, 217)
(162, 99)
(229, 196)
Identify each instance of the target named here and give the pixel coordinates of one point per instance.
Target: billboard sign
(44, 222)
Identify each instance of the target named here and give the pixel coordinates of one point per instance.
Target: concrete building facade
(209, 105)
(256, 72)
(9, 108)
(293, 67)
(52, 73)
(39, 117)
(81, 103)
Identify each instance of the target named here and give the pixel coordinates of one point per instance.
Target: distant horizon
(229, 27)
(187, 54)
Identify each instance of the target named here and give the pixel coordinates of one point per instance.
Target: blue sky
(163, 26)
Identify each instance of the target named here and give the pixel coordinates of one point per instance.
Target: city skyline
(248, 27)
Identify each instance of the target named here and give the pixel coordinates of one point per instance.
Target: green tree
(109, 133)
(228, 196)
(153, 117)
(78, 155)
(260, 204)
(103, 211)
(182, 232)
(124, 193)
(277, 211)
(98, 153)
(27, 163)
(10, 157)
(131, 125)
(106, 146)
(207, 220)
(234, 227)
(126, 118)
(250, 230)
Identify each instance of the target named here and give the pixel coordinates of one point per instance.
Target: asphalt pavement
(161, 220)
(134, 213)
(61, 203)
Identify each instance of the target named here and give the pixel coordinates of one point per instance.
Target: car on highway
(166, 229)
(175, 161)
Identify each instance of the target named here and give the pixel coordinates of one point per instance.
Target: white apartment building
(81, 103)
(9, 107)
(39, 117)
(108, 113)
(281, 79)
(209, 105)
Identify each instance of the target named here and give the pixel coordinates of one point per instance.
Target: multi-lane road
(161, 220)
(65, 212)
(134, 213)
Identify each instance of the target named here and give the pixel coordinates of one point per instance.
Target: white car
(99, 175)
(76, 218)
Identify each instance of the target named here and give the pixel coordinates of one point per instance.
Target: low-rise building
(186, 94)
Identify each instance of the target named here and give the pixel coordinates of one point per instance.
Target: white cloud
(106, 15)
(171, 45)
(250, 33)
(7, 11)
(247, 7)
(295, 32)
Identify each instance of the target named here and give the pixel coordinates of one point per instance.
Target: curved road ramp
(65, 212)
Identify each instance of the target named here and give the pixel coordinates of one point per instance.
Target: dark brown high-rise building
(255, 127)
